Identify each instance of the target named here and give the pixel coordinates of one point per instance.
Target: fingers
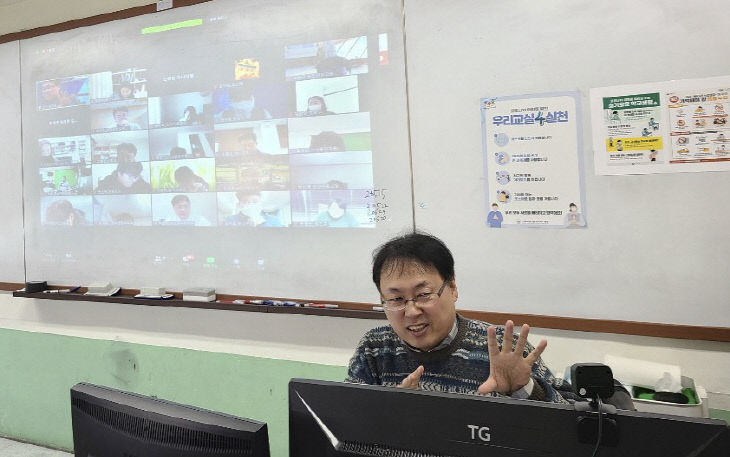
(509, 328)
(492, 342)
(411, 381)
(534, 355)
(522, 340)
(487, 386)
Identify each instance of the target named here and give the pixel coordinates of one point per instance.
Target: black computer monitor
(111, 423)
(338, 419)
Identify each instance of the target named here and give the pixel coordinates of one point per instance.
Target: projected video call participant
(64, 185)
(337, 215)
(330, 63)
(248, 145)
(121, 121)
(187, 181)
(327, 141)
(250, 213)
(190, 115)
(183, 213)
(316, 106)
(429, 346)
(47, 157)
(125, 179)
(243, 105)
(176, 152)
(62, 212)
(126, 91)
(53, 95)
(126, 152)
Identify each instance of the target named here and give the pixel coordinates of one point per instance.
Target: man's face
(120, 116)
(50, 91)
(421, 327)
(247, 145)
(182, 209)
(126, 155)
(127, 180)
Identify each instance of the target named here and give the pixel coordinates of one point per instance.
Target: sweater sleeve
(552, 387)
(361, 369)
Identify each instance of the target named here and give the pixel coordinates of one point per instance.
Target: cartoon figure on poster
(494, 217)
(574, 219)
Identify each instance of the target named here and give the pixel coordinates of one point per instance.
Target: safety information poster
(663, 127)
(532, 161)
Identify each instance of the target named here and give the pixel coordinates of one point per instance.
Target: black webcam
(592, 380)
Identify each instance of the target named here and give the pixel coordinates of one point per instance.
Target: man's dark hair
(179, 198)
(126, 148)
(247, 135)
(413, 248)
(130, 168)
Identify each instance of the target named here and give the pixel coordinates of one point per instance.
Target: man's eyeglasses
(424, 299)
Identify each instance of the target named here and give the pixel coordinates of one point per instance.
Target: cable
(600, 426)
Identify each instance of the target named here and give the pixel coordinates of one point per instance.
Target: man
(429, 346)
(126, 152)
(121, 121)
(337, 215)
(242, 105)
(250, 212)
(125, 179)
(181, 206)
(188, 181)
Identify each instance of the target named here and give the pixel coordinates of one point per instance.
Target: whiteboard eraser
(152, 291)
(99, 288)
(199, 294)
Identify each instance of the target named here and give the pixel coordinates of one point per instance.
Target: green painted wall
(37, 370)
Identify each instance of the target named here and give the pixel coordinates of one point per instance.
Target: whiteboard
(11, 193)
(654, 249)
(198, 56)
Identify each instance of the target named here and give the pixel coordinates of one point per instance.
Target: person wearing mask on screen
(125, 179)
(337, 215)
(250, 212)
(242, 105)
(188, 181)
(317, 107)
(429, 346)
(62, 212)
(183, 214)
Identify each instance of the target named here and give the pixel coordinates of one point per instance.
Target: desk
(12, 448)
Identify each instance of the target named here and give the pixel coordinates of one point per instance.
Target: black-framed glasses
(424, 299)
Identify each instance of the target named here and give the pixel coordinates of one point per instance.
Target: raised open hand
(509, 370)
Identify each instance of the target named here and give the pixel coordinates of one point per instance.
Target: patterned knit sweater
(382, 358)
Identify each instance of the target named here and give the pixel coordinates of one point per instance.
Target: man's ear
(454, 290)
